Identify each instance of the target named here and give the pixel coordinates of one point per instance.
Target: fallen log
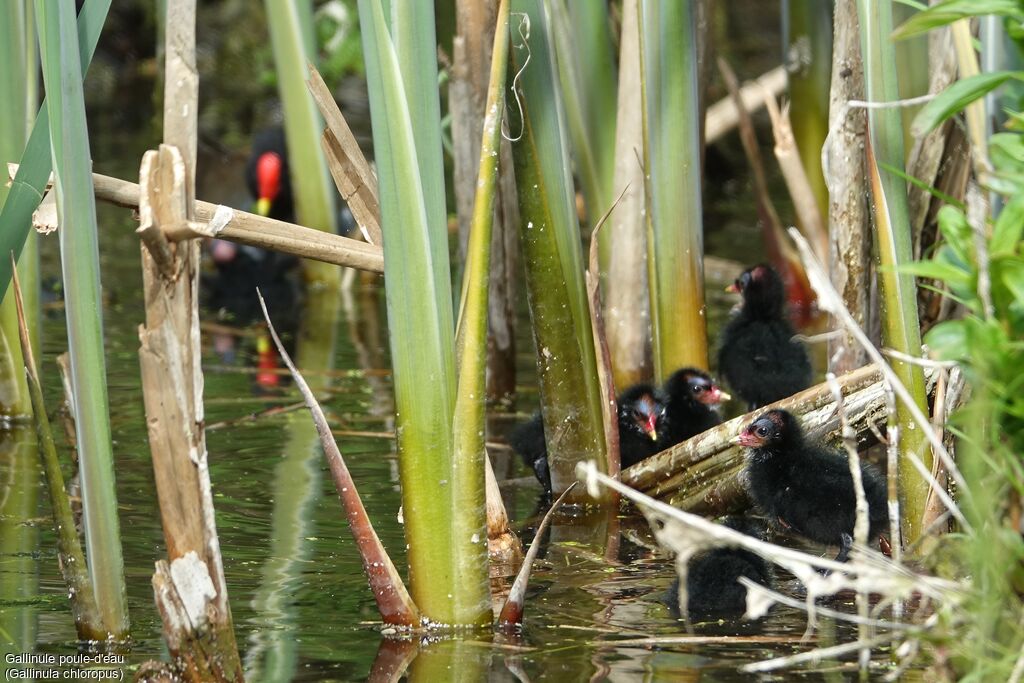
(701, 474)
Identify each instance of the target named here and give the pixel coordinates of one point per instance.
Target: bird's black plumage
(691, 397)
(758, 357)
(712, 577)
(806, 487)
(641, 410)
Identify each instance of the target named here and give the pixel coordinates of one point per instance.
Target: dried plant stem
(800, 190)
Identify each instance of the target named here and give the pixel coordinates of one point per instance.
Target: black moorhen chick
(692, 399)
(758, 357)
(641, 409)
(806, 486)
(712, 578)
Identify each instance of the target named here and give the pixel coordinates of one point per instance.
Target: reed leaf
(468, 451)
(586, 74)
(412, 30)
(957, 96)
(900, 327)
(16, 88)
(70, 557)
(553, 258)
(36, 164)
(419, 318)
(76, 208)
(294, 49)
(947, 12)
(675, 244)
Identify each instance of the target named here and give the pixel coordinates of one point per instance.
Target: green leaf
(947, 12)
(1013, 278)
(949, 340)
(948, 273)
(27, 189)
(953, 99)
(1006, 234)
(957, 233)
(917, 182)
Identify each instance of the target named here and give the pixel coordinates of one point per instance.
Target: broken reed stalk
(223, 222)
(512, 612)
(609, 404)
(804, 199)
(189, 587)
(70, 558)
(352, 174)
(780, 252)
(393, 601)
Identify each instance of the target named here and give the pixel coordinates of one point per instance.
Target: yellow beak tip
(263, 206)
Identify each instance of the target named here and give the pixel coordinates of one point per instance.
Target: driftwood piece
(217, 220)
(701, 473)
(351, 172)
(842, 161)
(189, 588)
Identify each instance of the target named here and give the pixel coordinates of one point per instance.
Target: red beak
(747, 439)
(714, 396)
(733, 289)
(651, 427)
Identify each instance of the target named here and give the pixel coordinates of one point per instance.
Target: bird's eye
(761, 431)
(697, 388)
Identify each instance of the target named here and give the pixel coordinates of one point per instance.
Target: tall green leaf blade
(27, 189)
(553, 257)
(311, 180)
(468, 450)
(79, 246)
(900, 326)
(15, 100)
(416, 47)
(675, 244)
(422, 346)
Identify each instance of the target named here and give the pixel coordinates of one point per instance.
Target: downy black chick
(758, 357)
(641, 409)
(692, 398)
(807, 487)
(712, 577)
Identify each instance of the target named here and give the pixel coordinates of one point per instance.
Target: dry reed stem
(217, 220)
(795, 175)
(723, 116)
